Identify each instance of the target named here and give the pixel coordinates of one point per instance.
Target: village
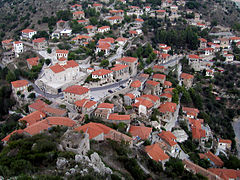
(88, 91)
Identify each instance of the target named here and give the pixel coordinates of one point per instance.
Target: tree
(49, 50)
(30, 88)
(104, 63)
(10, 76)
(32, 96)
(47, 61)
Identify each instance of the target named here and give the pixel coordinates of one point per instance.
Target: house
(103, 29)
(81, 39)
(214, 160)
(65, 33)
(168, 138)
(140, 132)
(97, 6)
(103, 47)
(156, 153)
(32, 118)
(132, 62)
(38, 105)
(224, 144)
(229, 57)
(210, 73)
(152, 87)
(85, 106)
(37, 128)
(195, 62)
(166, 97)
(78, 15)
(136, 85)
(54, 112)
(226, 174)
(7, 44)
(195, 169)
(40, 44)
(190, 112)
(116, 118)
(103, 74)
(143, 106)
(17, 47)
(166, 3)
(224, 43)
(167, 112)
(157, 68)
(75, 92)
(108, 106)
(161, 13)
(117, 12)
(203, 43)
(135, 10)
(76, 7)
(129, 98)
(115, 20)
(168, 90)
(100, 132)
(61, 53)
(121, 41)
(60, 121)
(32, 62)
(153, 98)
(20, 86)
(61, 24)
(198, 133)
(28, 33)
(187, 79)
(167, 84)
(208, 51)
(120, 71)
(82, 21)
(159, 77)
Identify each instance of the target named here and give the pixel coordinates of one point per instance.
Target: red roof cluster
(76, 89)
(168, 107)
(215, 159)
(168, 137)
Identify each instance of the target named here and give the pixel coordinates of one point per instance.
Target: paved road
(236, 127)
(117, 84)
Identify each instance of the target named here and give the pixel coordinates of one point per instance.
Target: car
(92, 98)
(122, 86)
(110, 91)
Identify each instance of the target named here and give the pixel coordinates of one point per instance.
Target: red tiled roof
(106, 105)
(57, 68)
(208, 49)
(215, 159)
(167, 95)
(190, 110)
(80, 103)
(89, 104)
(17, 42)
(108, 40)
(86, 103)
(168, 107)
(160, 11)
(28, 31)
(168, 137)
(96, 5)
(62, 59)
(186, 76)
(136, 84)
(19, 83)
(144, 75)
(33, 61)
(81, 21)
(170, 90)
(143, 102)
(61, 21)
(153, 83)
(78, 12)
(202, 40)
(167, 83)
(94, 129)
(226, 174)
(156, 153)
(132, 32)
(159, 76)
(129, 59)
(117, 117)
(104, 45)
(116, 11)
(118, 67)
(115, 17)
(101, 72)
(158, 67)
(37, 127)
(139, 20)
(19, 131)
(76, 89)
(227, 141)
(60, 121)
(140, 131)
(81, 37)
(76, 5)
(121, 39)
(104, 27)
(7, 41)
(54, 111)
(193, 56)
(130, 95)
(61, 51)
(33, 117)
(38, 105)
(151, 97)
(39, 40)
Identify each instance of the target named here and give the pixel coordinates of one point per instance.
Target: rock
(67, 174)
(61, 163)
(81, 158)
(76, 167)
(95, 158)
(72, 171)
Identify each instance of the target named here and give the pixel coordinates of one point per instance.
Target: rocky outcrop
(61, 163)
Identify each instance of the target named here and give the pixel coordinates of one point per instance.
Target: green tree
(32, 96)
(49, 50)
(10, 76)
(104, 63)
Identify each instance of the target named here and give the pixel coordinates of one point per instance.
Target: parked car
(122, 86)
(110, 91)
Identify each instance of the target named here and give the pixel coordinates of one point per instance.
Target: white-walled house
(18, 48)
(103, 29)
(28, 33)
(103, 74)
(61, 53)
(21, 86)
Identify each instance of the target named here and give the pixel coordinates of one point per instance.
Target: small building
(224, 144)
(32, 62)
(103, 29)
(20, 86)
(18, 48)
(168, 138)
(7, 44)
(28, 33)
(214, 160)
(115, 20)
(140, 132)
(117, 118)
(159, 77)
(187, 79)
(156, 153)
(32, 118)
(152, 87)
(120, 71)
(40, 44)
(61, 53)
(78, 15)
(75, 92)
(85, 106)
